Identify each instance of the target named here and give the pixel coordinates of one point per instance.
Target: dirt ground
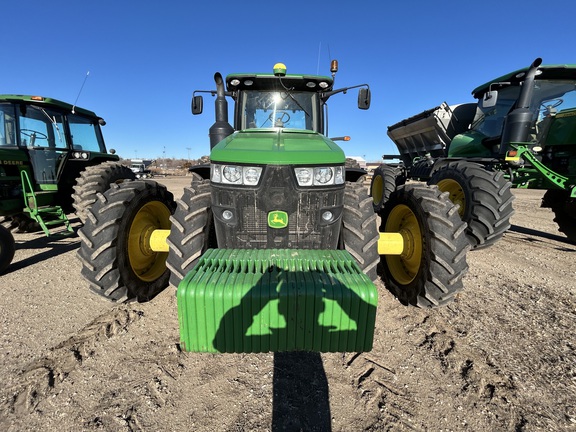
(502, 357)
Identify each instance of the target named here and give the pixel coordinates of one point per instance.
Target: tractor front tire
(7, 248)
(485, 199)
(359, 231)
(115, 251)
(383, 183)
(430, 269)
(192, 230)
(94, 180)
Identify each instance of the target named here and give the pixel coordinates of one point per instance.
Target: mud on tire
(115, 254)
(359, 232)
(430, 270)
(485, 199)
(192, 230)
(97, 179)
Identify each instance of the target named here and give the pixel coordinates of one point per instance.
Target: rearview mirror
(197, 105)
(364, 98)
(489, 99)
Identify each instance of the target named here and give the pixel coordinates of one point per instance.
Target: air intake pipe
(221, 128)
(519, 121)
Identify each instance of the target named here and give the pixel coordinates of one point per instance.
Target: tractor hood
(277, 147)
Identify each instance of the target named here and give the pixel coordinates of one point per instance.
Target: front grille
(249, 229)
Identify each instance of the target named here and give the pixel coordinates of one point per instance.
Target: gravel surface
(501, 357)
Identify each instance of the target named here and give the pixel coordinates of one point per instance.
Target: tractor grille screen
(276, 198)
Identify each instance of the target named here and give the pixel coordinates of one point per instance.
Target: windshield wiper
(293, 98)
(53, 121)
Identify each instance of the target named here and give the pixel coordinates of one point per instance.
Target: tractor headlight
(319, 176)
(304, 176)
(251, 175)
(323, 175)
(232, 174)
(236, 174)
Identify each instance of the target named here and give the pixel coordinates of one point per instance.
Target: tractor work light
(80, 155)
(319, 176)
(236, 174)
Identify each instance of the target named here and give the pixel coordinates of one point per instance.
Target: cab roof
(267, 81)
(559, 72)
(48, 102)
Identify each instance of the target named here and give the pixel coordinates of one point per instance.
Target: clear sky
(145, 58)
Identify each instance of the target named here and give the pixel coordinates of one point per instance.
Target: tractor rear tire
(484, 196)
(430, 270)
(564, 209)
(359, 231)
(7, 248)
(383, 183)
(94, 180)
(115, 248)
(192, 230)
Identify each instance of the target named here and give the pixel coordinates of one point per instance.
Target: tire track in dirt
(40, 378)
(422, 364)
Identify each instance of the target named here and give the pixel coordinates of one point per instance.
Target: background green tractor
(521, 133)
(274, 246)
(53, 161)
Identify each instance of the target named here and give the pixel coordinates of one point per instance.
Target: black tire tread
(359, 231)
(7, 248)
(557, 200)
(443, 265)
(97, 179)
(189, 236)
(104, 263)
(489, 200)
(389, 176)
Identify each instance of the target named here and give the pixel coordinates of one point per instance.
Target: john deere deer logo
(277, 219)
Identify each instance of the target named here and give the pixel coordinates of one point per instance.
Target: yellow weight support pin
(390, 243)
(158, 240)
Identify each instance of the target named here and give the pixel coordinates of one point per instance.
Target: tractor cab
(270, 101)
(44, 146)
(513, 108)
(277, 100)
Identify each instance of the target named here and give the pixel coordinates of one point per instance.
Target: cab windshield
(274, 109)
(552, 97)
(549, 98)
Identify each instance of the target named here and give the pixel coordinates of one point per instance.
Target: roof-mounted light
(280, 69)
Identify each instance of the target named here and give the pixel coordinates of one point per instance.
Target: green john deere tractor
(52, 161)
(274, 246)
(520, 134)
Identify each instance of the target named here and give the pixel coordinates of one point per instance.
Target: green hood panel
(468, 144)
(277, 147)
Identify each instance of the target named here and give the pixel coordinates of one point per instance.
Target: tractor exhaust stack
(517, 127)
(221, 128)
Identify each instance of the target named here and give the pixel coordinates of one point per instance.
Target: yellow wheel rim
(145, 263)
(456, 193)
(377, 189)
(404, 268)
